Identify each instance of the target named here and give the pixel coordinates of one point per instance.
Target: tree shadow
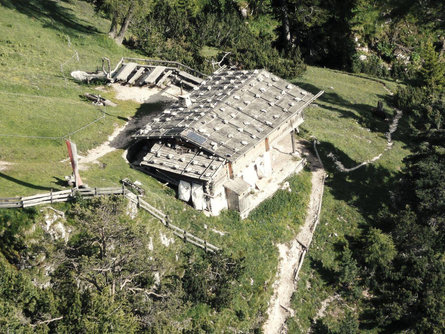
(52, 14)
(60, 182)
(327, 275)
(364, 115)
(23, 183)
(367, 188)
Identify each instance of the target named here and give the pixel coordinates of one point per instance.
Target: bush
(373, 65)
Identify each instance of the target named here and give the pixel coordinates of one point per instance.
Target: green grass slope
(41, 43)
(344, 125)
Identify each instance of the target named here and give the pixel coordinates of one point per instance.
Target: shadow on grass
(60, 18)
(367, 188)
(23, 183)
(365, 113)
(327, 275)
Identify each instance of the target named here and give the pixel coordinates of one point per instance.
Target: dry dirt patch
(5, 165)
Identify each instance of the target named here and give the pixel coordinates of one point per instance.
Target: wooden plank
(154, 75)
(84, 192)
(190, 77)
(59, 200)
(35, 196)
(153, 210)
(188, 84)
(10, 205)
(125, 71)
(156, 213)
(62, 192)
(164, 78)
(37, 200)
(59, 196)
(137, 75)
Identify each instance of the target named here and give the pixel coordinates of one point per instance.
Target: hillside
(42, 42)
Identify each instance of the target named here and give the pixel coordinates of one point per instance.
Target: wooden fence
(179, 232)
(69, 195)
(58, 196)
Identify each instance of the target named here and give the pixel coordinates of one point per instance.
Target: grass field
(41, 42)
(344, 125)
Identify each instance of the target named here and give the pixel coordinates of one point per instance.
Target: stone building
(215, 144)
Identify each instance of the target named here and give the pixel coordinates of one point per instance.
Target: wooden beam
(125, 71)
(229, 165)
(164, 78)
(292, 138)
(137, 75)
(190, 77)
(154, 75)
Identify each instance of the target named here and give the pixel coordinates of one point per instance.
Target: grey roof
(183, 161)
(230, 112)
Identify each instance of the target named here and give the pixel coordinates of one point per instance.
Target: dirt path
(4, 165)
(94, 154)
(292, 255)
(121, 136)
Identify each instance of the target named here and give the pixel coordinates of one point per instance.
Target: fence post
(205, 246)
(51, 194)
(139, 203)
(123, 189)
(185, 235)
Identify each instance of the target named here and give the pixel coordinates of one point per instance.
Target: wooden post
(205, 246)
(51, 194)
(139, 203)
(266, 143)
(229, 165)
(292, 138)
(185, 235)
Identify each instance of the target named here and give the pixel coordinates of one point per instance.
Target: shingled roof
(230, 112)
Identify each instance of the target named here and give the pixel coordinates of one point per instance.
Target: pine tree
(432, 73)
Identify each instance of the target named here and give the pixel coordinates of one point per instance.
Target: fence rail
(69, 195)
(179, 232)
(57, 196)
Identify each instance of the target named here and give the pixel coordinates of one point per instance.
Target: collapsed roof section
(184, 161)
(230, 112)
(141, 72)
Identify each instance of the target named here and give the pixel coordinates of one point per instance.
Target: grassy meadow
(41, 42)
(343, 123)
